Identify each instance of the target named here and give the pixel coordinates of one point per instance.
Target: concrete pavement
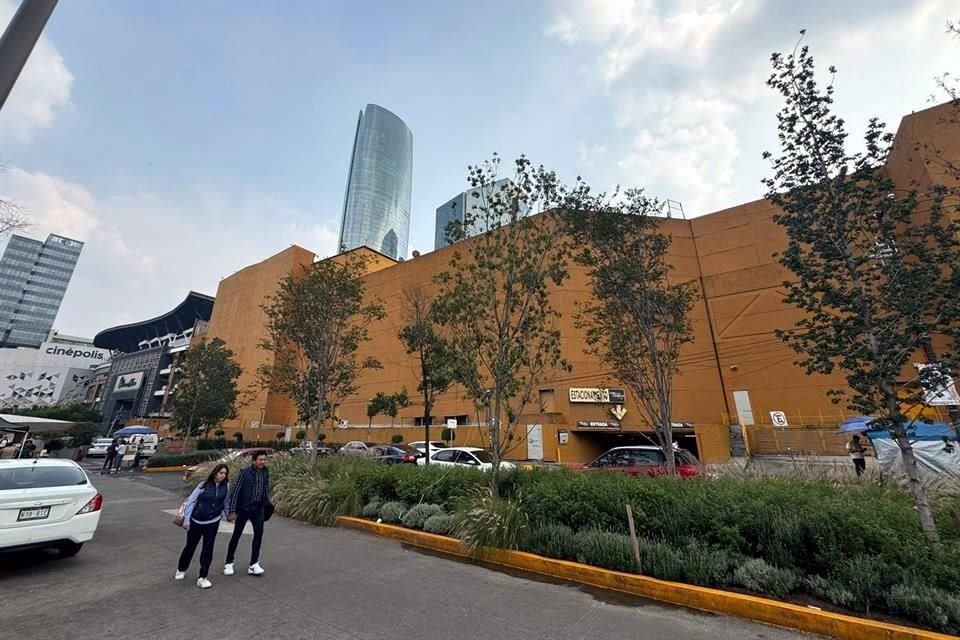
(324, 584)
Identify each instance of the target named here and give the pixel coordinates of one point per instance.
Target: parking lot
(320, 583)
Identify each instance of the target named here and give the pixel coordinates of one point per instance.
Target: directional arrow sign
(618, 412)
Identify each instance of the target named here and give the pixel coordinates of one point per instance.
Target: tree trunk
(316, 437)
(667, 428)
(495, 446)
(919, 492)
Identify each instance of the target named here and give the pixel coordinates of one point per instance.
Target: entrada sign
(598, 425)
(598, 396)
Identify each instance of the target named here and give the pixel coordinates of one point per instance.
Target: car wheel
(69, 549)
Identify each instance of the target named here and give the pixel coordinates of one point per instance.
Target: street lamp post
(18, 41)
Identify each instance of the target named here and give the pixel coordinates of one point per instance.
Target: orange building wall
(729, 254)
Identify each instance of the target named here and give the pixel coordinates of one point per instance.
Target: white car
(47, 503)
(471, 457)
(356, 448)
(99, 447)
(421, 445)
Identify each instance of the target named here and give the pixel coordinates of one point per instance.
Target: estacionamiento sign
(598, 396)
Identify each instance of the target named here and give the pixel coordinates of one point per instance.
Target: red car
(642, 460)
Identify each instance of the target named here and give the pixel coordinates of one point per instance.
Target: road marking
(225, 527)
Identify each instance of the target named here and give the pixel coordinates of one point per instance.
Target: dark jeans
(208, 532)
(107, 463)
(255, 517)
(860, 465)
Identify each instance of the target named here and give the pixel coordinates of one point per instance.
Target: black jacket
(244, 495)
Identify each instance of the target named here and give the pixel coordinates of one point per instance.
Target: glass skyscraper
(33, 278)
(376, 208)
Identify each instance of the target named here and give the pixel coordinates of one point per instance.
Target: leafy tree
(396, 438)
(280, 436)
(876, 269)
(395, 402)
(315, 324)
(72, 412)
(423, 341)
(448, 434)
(82, 434)
(495, 296)
(376, 406)
(301, 436)
(238, 436)
(206, 393)
(639, 317)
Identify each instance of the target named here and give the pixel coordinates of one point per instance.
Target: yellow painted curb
(773, 612)
(163, 469)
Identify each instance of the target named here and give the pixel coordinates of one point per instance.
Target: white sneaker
(228, 569)
(255, 570)
(203, 583)
(179, 575)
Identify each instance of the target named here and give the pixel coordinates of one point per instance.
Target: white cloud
(685, 81)
(143, 252)
(41, 91)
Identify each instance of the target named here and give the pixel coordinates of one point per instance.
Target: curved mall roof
(127, 337)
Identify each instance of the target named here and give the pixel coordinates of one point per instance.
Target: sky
(182, 141)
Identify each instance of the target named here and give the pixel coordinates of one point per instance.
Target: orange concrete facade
(735, 358)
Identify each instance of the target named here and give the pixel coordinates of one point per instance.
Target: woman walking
(201, 518)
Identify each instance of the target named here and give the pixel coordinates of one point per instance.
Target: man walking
(857, 451)
(249, 502)
(109, 458)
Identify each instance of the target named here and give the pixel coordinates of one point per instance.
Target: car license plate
(39, 513)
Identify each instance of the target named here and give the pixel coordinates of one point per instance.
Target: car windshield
(483, 456)
(40, 477)
(685, 458)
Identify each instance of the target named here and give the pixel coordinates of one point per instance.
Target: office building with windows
(376, 207)
(33, 279)
(477, 202)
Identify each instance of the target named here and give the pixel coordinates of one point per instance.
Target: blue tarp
(921, 431)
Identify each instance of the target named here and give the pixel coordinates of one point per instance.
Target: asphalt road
(323, 584)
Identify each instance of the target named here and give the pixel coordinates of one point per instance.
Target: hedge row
(182, 459)
(857, 547)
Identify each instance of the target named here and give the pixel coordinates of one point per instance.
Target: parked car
(47, 503)
(421, 445)
(471, 457)
(99, 447)
(637, 460)
(230, 456)
(389, 454)
(307, 449)
(357, 448)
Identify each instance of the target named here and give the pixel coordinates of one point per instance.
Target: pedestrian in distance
(202, 511)
(109, 458)
(856, 450)
(249, 502)
(118, 459)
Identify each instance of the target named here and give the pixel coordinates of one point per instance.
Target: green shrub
(605, 549)
(934, 608)
(396, 438)
(867, 578)
(706, 566)
(440, 523)
(417, 515)
(184, 459)
(761, 577)
(308, 497)
(484, 519)
(392, 512)
(371, 510)
(552, 541)
(825, 589)
(660, 560)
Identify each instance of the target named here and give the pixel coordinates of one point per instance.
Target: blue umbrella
(856, 425)
(134, 431)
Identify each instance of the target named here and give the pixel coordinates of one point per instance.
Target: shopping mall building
(732, 376)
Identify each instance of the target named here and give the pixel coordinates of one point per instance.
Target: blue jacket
(208, 493)
(251, 491)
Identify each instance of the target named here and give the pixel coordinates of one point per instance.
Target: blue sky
(184, 140)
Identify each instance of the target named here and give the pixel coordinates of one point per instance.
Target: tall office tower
(33, 278)
(376, 208)
(472, 201)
